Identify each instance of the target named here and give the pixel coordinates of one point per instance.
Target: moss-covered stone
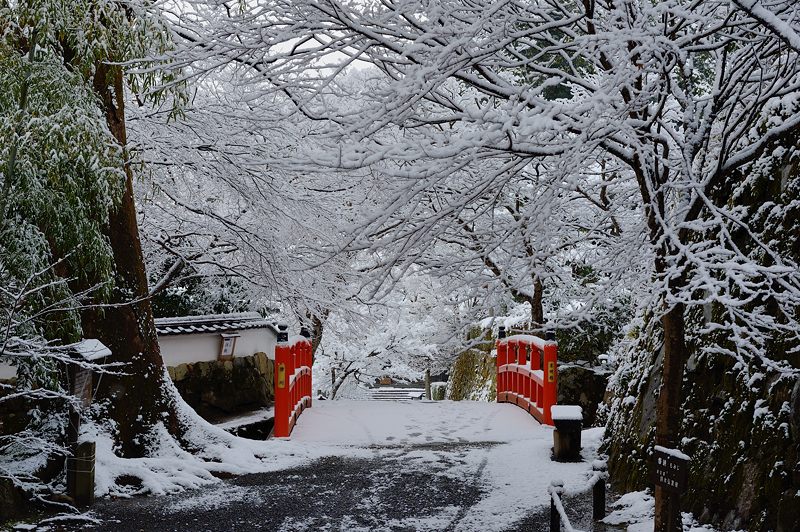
(583, 386)
(179, 372)
(738, 431)
(215, 388)
(473, 377)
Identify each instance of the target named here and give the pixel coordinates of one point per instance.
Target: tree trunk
(668, 407)
(428, 384)
(315, 325)
(537, 309)
(137, 400)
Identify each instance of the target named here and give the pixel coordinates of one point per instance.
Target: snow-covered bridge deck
(369, 465)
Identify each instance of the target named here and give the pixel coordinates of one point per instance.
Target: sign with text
(82, 385)
(671, 469)
(281, 375)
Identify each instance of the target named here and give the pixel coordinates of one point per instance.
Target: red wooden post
(535, 362)
(308, 363)
(550, 391)
(282, 375)
(296, 383)
(502, 359)
(512, 358)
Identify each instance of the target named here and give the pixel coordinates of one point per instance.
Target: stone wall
(218, 388)
(742, 433)
(583, 386)
(473, 377)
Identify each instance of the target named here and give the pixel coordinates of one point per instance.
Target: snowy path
(381, 466)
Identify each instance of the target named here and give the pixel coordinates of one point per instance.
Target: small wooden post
(568, 421)
(599, 491)
(80, 473)
(428, 384)
(556, 489)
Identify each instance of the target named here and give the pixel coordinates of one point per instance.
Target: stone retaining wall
(218, 388)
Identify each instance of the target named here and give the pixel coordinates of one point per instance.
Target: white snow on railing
(540, 343)
(557, 489)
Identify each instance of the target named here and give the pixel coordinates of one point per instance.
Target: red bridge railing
(292, 381)
(527, 374)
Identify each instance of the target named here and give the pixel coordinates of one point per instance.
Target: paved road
(339, 493)
(400, 467)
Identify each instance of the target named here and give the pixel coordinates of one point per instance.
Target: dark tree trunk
(668, 407)
(138, 399)
(537, 309)
(317, 327)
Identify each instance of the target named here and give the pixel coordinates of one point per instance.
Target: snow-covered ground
(636, 510)
(360, 465)
(491, 461)
(515, 472)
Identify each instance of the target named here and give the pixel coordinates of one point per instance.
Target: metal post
(599, 491)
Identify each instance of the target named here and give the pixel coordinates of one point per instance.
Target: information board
(671, 470)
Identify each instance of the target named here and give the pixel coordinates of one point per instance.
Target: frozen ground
(360, 465)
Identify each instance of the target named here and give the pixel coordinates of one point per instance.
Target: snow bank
(204, 452)
(636, 509)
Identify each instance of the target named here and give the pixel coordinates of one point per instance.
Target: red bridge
(292, 381)
(527, 374)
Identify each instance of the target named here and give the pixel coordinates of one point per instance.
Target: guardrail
(527, 373)
(597, 485)
(292, 381)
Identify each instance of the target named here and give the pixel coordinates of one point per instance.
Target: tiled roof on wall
(212, 323)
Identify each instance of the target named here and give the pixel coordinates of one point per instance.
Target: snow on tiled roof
(212, 323)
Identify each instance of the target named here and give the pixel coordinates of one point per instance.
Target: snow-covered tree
(83, 45)
(684, 99)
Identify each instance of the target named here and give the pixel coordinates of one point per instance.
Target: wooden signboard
(82, 385)
(671, 470)
(670, 473)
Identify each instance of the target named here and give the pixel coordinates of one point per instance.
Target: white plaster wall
(253, 341)
(188, 348)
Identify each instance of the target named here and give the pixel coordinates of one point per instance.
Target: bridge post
(283, 356)
(502, 359)
(307, 361)
(550, 387)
